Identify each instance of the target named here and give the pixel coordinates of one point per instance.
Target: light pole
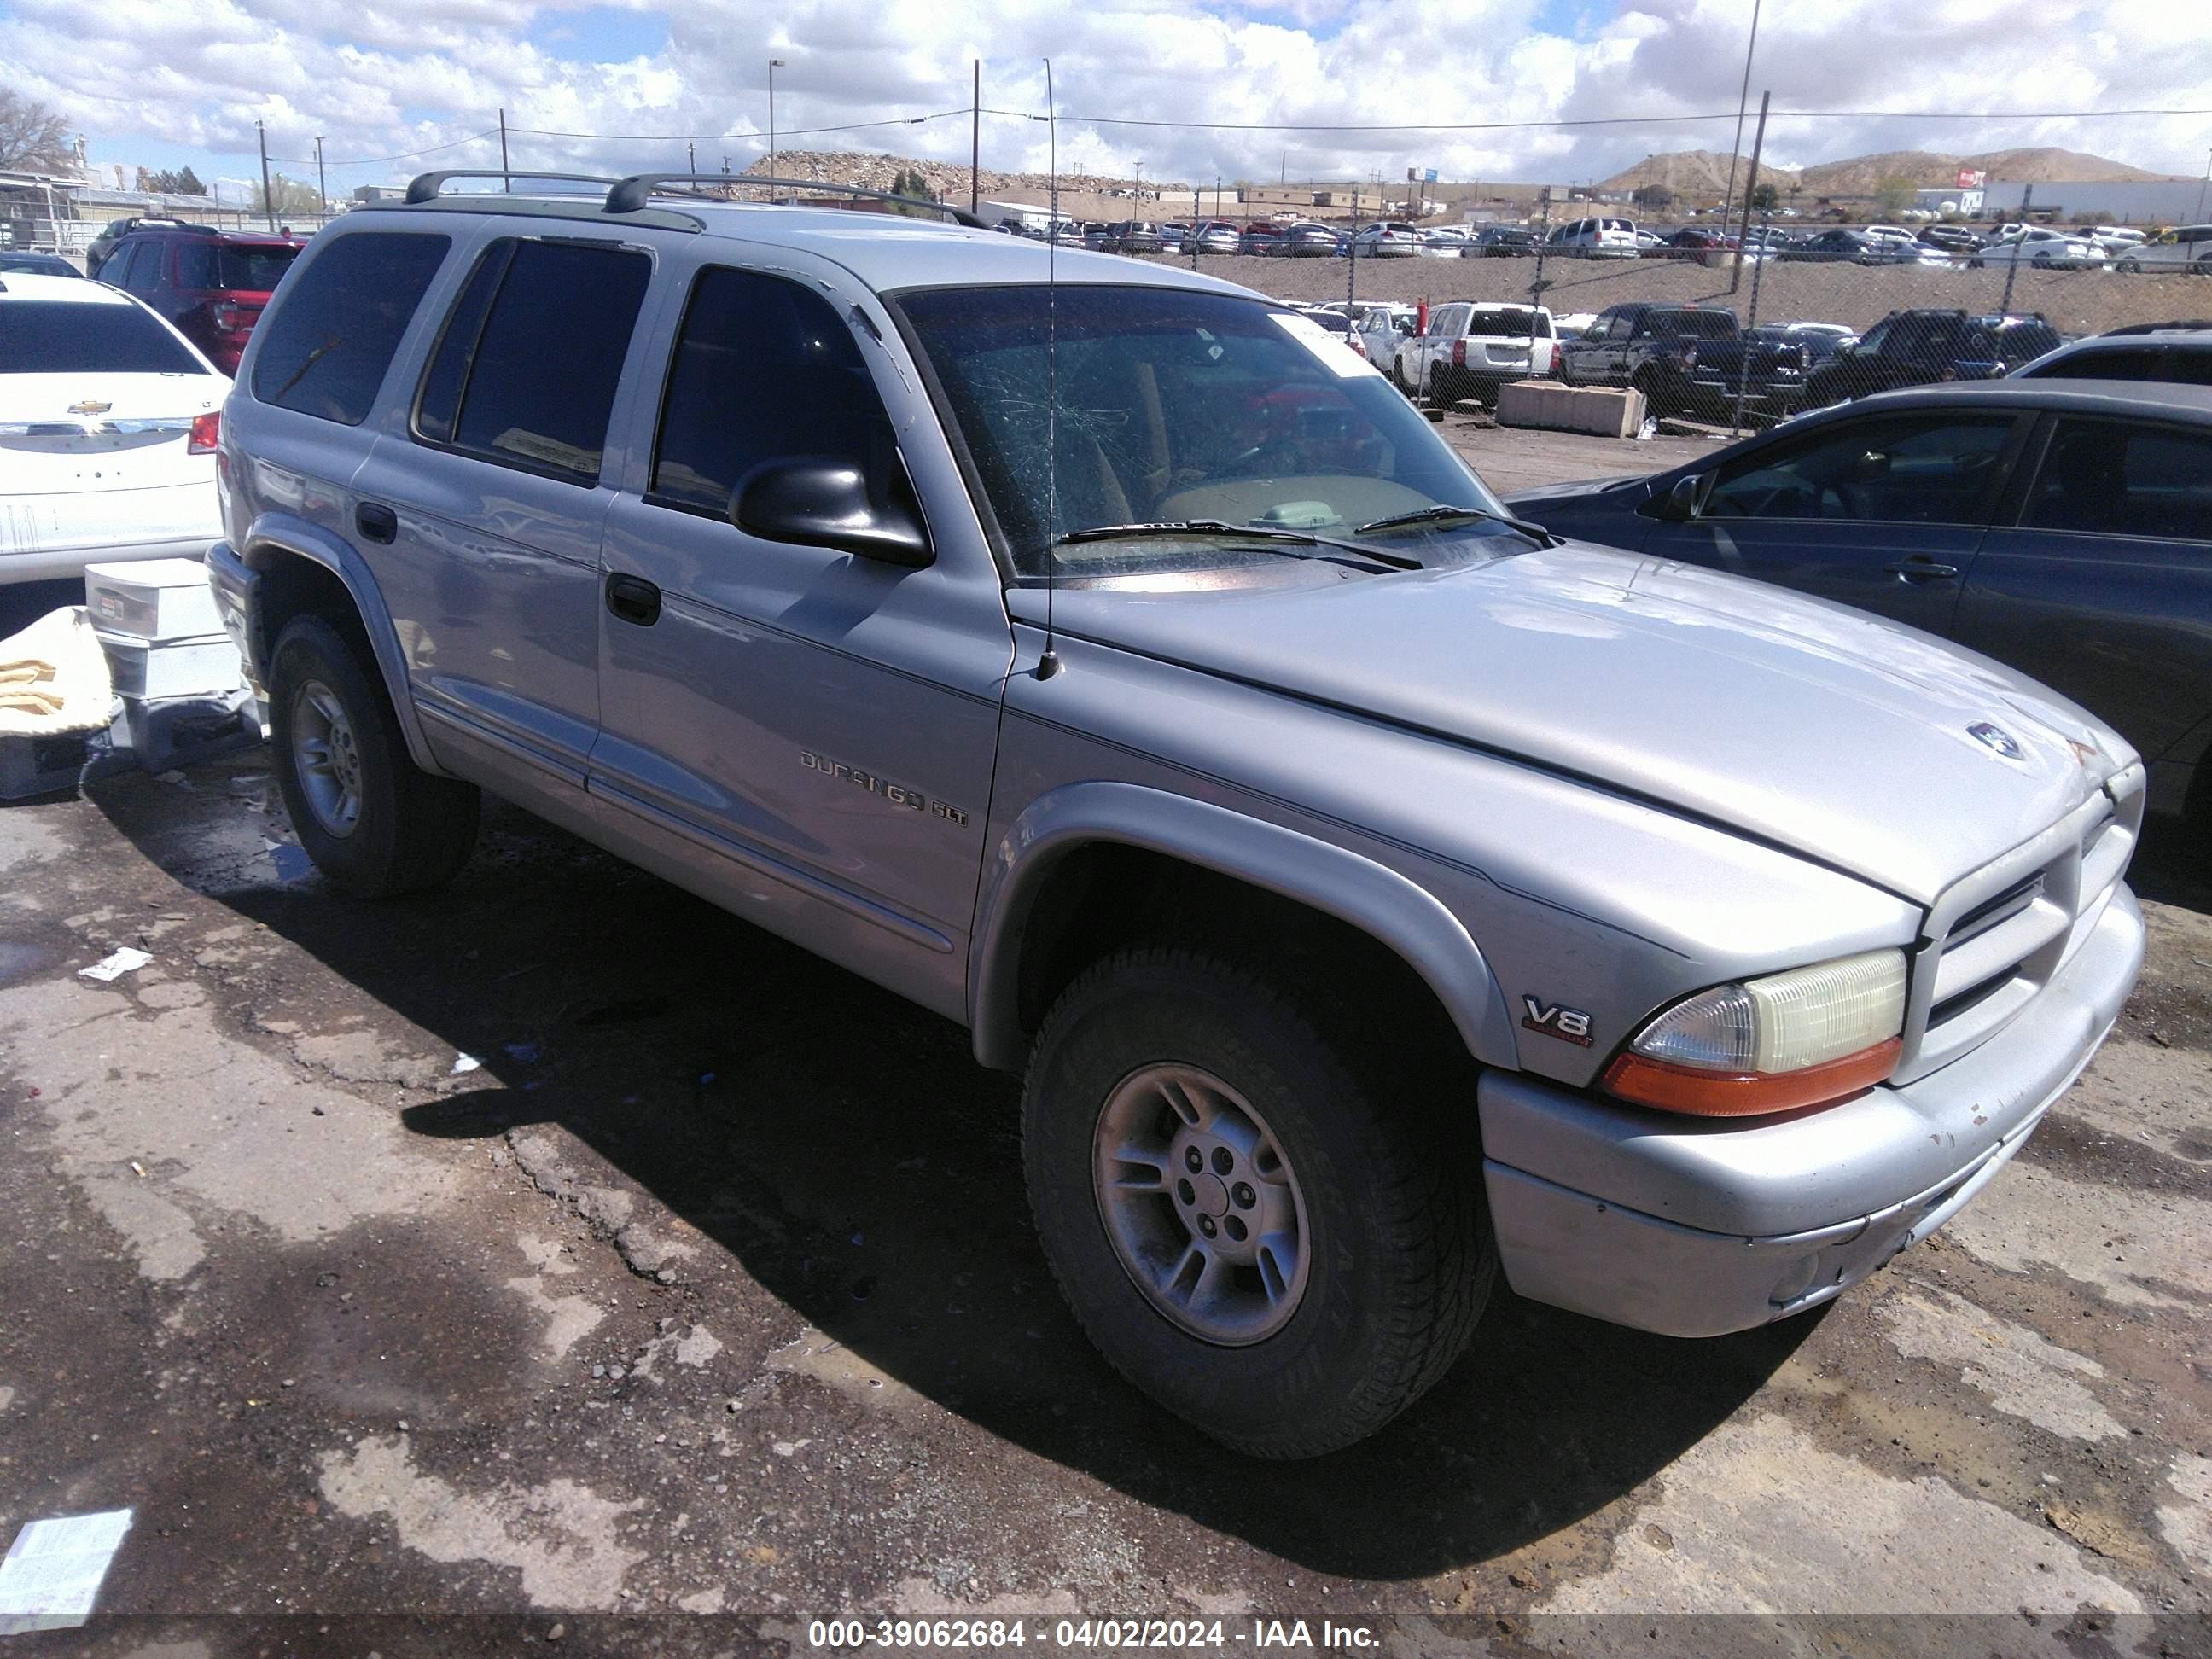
(773, 65)
(1742, 104)
(2201, 188)
(1140, 181)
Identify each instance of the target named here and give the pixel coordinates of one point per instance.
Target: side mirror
(820, 503)
(1680, 504)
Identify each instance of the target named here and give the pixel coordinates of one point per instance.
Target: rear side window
(764, 369)
(55, 337)
(324, 350)
(526, 370)
(2108, 478)
(2129, 364)
(232, 267)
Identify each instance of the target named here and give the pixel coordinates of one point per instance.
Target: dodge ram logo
(1997, 737)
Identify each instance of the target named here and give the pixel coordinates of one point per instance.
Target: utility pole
(1140, 181)
(1197, 220)
(773, 65)
(975, 136)
(2012, 264)
(321, 189)
(2202, 188)
(1742, 98)
(504, 183)
(1750, 189)
(691, 158)
(268, 201)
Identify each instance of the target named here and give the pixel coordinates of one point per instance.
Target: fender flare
(1398, 912)
(273, 536)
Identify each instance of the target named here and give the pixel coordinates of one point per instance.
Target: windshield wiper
(1267, 536)
(1440, 514)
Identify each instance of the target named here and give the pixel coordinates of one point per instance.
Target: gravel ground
(2075, 301)
(555, 1259)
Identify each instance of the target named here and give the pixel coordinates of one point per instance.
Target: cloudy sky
(167, 83)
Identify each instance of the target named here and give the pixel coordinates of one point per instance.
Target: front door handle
(1920, 568)
(376, 522)
(634, 599)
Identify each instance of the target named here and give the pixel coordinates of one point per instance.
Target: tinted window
(51, 337)
(1913, 470)
(2106, 477)
(240, 267)
(1691, 325)
(324, 349)
(1504, 324)
(2128, 363)
(763, 370)
(540, 374)
(440, 398)
(146, 261)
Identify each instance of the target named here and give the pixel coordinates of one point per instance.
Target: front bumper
(1693, 1227)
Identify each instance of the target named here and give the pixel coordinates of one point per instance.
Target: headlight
(1807, 1038)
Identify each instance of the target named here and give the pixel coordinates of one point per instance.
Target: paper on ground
(116, 964)
(53, 1571)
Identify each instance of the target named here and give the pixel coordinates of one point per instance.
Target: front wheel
(373, 821)
(1252, 1231)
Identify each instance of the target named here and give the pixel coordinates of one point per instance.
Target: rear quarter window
(325, 347)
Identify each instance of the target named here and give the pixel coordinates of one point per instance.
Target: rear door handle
(376, 522)
(634, 599)
(1920, 569)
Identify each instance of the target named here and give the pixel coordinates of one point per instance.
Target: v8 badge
(1556, 1020)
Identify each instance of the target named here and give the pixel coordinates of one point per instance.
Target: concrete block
(1550, 407)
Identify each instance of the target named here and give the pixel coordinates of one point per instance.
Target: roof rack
(630, 194)
(426, 186)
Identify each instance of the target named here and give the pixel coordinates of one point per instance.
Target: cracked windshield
(1087, 408)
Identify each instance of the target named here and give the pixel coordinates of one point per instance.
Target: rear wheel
(373, 820)
(1255, 1234)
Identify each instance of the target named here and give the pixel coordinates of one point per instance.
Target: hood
(1838, 734)
(1561, 492)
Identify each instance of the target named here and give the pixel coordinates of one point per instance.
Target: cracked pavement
(709, 1289)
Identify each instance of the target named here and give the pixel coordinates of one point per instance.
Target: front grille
(1997, 938)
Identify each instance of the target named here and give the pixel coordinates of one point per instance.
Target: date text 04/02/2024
(1139, 1634)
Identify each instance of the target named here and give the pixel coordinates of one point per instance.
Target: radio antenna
(1048, 664)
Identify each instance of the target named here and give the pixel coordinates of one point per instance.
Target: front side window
(764, 370)
(1897, 469)
(1122, 406)
(325, 349)
(2106, 477)
(529, 380)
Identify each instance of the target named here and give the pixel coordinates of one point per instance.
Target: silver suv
(1375, 892)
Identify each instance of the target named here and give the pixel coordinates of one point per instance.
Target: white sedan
(2052, 250)
(108, 422)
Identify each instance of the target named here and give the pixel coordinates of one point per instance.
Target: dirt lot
(555, 1260)
(2076, 302)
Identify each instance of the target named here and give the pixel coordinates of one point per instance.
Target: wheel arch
(1044, 868)
(295, 567)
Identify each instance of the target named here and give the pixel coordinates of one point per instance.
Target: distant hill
(1702, 172)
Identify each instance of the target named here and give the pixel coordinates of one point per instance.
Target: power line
(404, 155)
(1613, 120)
(703, 138)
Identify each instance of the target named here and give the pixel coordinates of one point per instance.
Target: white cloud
(378, 78)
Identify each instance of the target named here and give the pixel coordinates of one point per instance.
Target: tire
(2128, 268)
(407, 831)
(1655, 403)
(1441, 393)
(1392, 1250)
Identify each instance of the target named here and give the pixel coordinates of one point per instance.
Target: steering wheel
(1282, 450)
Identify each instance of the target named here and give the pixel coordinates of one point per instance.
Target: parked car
(1694, 242)
(2052, 250)
(211, 283)
(2178, 353)
(1469, 349)
(1218, 236)
(1502, 242)
(1307, 239)
(1264, 239)
(108, 420)
(1837, 246)
(1686, 360)
(1132, 236)
(1377, 335)
(1604, 238)
(1922, 347)
(1173, 236)
(2115, 239)
(1390, 240)
(1097, 237)
(2062, 526)
(1153, 747)
(1822, 341)
(1949, 239)
(2187, 248)
(37, 264)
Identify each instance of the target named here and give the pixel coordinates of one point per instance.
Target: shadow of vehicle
(844, 1149)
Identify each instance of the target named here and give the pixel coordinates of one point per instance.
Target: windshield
(63, 336)
(1170, 406)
